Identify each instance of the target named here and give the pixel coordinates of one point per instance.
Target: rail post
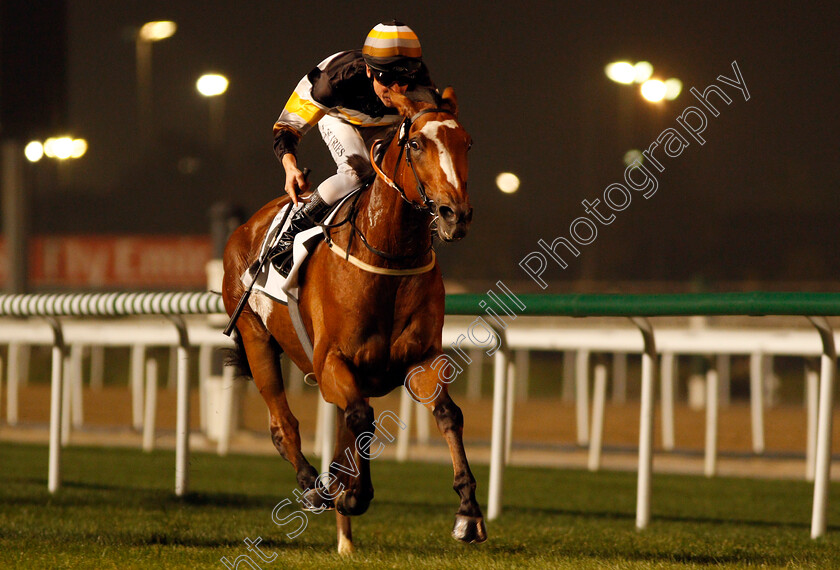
(501, 427)
(497, 445)
(645, 423)
(56, 399)
(182, 421)
(823, 459)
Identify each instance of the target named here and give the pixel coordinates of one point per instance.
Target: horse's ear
(450, 101)
(403, 104)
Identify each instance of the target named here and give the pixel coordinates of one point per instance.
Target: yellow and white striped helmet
(392, 46)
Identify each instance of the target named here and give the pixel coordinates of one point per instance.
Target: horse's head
(435, 147)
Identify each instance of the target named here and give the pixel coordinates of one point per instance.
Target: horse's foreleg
(345, 534)
(469, 522)
(263, 358)
(338, 386)
(343, 442)
(431, 392)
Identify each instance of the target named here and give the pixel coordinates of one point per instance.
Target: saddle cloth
(269, 280)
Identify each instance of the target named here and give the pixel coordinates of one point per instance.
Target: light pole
(147, 34)
(15, 190)
(15, 216)
(213, 86)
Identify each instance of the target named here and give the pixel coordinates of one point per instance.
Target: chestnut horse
(369, 330)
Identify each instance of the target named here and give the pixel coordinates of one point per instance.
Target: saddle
(269, 280)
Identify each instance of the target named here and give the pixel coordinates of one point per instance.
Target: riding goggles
(388, 78)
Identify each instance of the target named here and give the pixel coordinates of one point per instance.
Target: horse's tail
(236, 356)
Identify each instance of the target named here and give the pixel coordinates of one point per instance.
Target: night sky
(755, 204)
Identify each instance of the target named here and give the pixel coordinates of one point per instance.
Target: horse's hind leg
(426, 388)
(263, 357)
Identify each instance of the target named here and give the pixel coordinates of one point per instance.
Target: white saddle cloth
(269, 280)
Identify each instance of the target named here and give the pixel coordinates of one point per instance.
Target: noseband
(404, 130)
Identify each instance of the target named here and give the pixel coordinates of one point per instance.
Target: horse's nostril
(447, 213)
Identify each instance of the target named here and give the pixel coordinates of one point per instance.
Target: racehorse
(374, 325)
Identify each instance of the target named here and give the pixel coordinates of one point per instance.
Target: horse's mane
(419, 95)
(425, 94)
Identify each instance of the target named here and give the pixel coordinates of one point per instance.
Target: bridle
(404, 131)
(426, 206)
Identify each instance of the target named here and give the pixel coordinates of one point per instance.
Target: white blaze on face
(431, 130)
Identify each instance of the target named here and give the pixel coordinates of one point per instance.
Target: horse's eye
(414, 145)
(469, 145)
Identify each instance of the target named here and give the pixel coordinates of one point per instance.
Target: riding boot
(303, 219)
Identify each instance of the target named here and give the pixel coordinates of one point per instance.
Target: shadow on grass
(307, 545)
(605, 515)
(74, 493)
(749, 558)
(432, 507)
(127, 495)
(368, 550)
(162, 539)
(226, 500)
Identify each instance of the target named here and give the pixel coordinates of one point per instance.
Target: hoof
(312, 501)
(350, 505)
(469, 529)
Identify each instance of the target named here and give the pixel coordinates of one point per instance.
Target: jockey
(348, 95)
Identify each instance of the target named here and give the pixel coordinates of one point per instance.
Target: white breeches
(346, 141)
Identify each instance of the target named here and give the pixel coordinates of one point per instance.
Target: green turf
(117, 510)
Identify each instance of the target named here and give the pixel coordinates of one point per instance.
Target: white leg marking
(430, 131)
(261, 305)
(344, 544)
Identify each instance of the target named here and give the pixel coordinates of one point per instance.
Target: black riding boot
(303, 219)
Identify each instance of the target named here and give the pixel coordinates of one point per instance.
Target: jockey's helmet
(392, 49)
